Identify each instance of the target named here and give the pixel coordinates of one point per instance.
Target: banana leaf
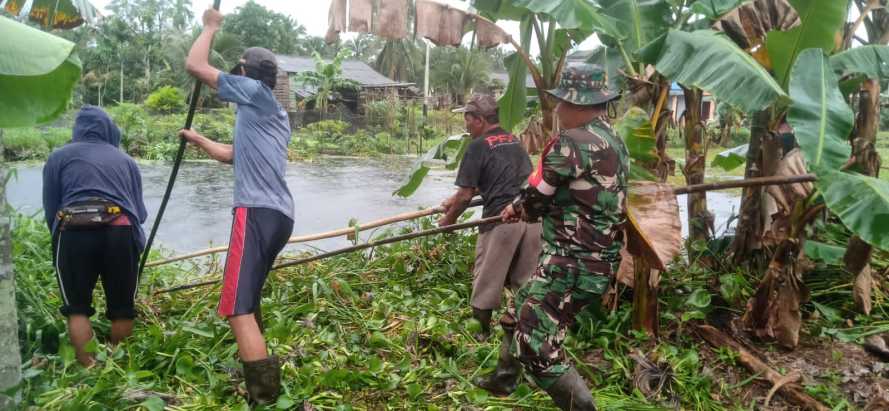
(861, 202)
(710, 61)
(635, 129)
(872, 61)
(653, 229)
(38, 72)
(820, 117)
(447, 154)
(641, 21)
(499, 9)
(55, 14)
(826, 253)
(714, 9)
(513, 102)
(571, 14)
(731, 159)
(610, 60)
(820, 21)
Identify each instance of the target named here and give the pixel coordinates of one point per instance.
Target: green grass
(390, 332)
(393, 332)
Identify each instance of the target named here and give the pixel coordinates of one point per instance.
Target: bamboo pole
(722, 185)
(321, 236)
(749, 182)
(369, 244)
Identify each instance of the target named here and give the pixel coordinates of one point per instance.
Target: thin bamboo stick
(369, 244)
(320, 236)
(723, 185)
(490, 220)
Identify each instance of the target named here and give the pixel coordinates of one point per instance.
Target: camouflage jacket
(579, 189)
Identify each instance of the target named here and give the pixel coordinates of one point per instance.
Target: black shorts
(80, 257)
(258, 235)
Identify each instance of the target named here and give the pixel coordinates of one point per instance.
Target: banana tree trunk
(666, 166)
(773, 313)
(748, 234)
(548, 109)
(645, 299)
(700, 221)
(10, 360)
(858, 252)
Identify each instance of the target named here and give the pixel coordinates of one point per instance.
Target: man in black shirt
(495, 166)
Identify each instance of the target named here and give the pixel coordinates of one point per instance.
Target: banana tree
(797, 53)
(648, 22)
(37, 76)
(866, 65)
(555, 26)
(53, 14)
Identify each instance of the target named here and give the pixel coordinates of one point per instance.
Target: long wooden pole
(369, 244)
(722, 185)
(321, 236)
(192, 107)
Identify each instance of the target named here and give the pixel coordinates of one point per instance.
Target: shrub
(325, 130)
(56, 137)
(132, 121)
(24, 144)
(167, 99)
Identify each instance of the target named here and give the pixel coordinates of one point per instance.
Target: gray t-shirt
(262, 134)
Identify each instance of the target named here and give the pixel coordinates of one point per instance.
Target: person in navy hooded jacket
(92, 199)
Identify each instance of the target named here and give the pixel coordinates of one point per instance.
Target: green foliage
(166, 99)
(823, 252)
(872, 61)
(327, 79)
(38, 72)
(713, 63)
(449, 153)
(860, 202)
(820, 20)
(332, 137)
(32, 143)
(820, 117)
(458, 71)
(635, 130)
(731, 159)
(514, 100)
(713, 9)
(570, 14)
(640, 22)
(258, 26)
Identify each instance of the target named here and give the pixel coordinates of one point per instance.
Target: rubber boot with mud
(570, 393)
(484, 318)
(263, 380)
(503, 380)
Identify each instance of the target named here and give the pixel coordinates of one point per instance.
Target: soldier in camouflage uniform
(579, 190)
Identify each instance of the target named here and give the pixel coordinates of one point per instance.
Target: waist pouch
(93, 213)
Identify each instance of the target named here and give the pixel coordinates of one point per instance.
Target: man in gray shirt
(263, 206)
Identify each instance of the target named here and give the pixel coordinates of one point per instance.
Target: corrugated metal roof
(354, 70)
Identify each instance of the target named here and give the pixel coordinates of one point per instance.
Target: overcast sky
(312, 14)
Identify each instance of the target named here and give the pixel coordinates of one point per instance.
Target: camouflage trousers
(545, 307)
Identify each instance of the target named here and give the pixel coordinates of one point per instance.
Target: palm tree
(459, 71)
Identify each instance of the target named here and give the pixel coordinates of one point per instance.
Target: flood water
(327, 194)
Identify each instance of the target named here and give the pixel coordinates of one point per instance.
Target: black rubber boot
(503, 380)
(484, 318)
(570, 393)
(263, 378)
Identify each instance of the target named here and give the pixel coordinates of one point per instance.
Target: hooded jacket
(91, 166)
